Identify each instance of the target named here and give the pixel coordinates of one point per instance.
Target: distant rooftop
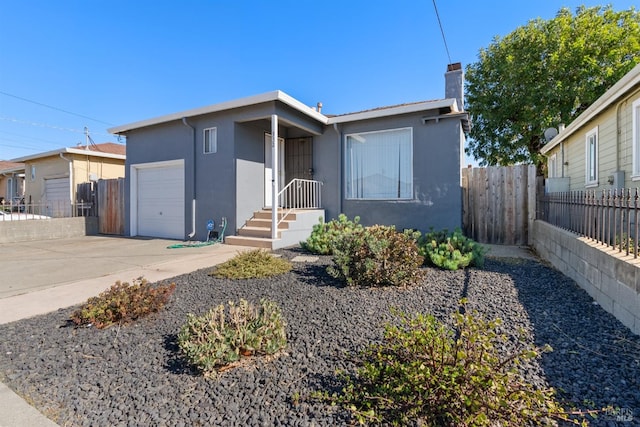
(106, 149)
(6, 165)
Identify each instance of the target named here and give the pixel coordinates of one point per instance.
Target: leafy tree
(542, 74)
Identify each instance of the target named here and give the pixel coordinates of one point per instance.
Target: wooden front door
(298, 161)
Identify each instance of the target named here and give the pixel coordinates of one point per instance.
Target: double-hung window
(210, 141)
(635, 129)
(552, 166)
(379, 165)
(591, 159)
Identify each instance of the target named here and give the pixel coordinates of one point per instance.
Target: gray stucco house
(395, 165)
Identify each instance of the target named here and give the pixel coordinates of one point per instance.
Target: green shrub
(377, 256)
(324, 235)
(426, 373)
(123, 303)
(451, 251)
(252, 264)
(219, 338)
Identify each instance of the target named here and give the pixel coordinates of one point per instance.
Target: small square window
(210, 141)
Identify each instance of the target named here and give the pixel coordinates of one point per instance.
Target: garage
(57, 197)
(158, 193)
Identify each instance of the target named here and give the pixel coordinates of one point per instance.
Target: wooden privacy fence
(499, 203)
(110, 201)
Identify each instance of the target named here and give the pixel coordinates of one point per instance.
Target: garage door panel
(160, 195)
(56, 197)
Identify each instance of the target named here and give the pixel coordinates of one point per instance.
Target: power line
(27, 137)
(45, 125)
(56, 108)
(444, 39)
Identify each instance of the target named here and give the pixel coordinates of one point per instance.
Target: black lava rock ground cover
(134, 375)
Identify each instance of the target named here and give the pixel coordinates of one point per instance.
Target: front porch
(291, 200)
(294, 226)
(298, 209)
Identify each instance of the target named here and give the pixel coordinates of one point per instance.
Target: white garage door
(160, 195)
(57, 197)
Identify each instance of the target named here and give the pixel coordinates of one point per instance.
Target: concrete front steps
(295, 227)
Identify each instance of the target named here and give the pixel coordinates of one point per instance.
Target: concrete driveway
(42, 276)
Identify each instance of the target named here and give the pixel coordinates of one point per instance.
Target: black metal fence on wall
(609, 217)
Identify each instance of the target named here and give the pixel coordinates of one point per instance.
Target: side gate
(110, 206)
(499, 203)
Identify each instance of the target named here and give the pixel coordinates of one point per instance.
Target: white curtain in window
(379, 165)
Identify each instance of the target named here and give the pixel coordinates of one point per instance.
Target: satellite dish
(550, 133)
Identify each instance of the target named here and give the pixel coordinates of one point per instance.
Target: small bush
(324, 235)
(451, 251)
(252, 264)
(427, 373)
(219, 338)
(123, 303)
(377, 256)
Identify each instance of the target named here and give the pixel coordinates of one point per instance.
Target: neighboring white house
(600, 149)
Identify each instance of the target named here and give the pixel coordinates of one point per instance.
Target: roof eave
(12, 170)
(393, 111)
(223, 106)
(624, 85)
(70, 151)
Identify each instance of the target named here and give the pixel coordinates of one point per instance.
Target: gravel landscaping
(134, 376)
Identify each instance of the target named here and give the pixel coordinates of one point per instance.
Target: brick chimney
(454, 78)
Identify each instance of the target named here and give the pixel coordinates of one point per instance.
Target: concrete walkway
(43, 276)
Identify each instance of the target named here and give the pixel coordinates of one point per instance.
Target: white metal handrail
(300, 194)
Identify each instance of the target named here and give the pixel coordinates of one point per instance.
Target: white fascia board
(12, 170)
(95, 153)
(70, 151)
(393, 111)
(227, 105)
(624, 85)
(292, 102)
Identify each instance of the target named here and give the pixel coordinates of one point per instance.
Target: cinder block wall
(612, 279)
(46, 229)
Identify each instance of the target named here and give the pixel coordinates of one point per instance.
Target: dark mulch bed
(134, 376)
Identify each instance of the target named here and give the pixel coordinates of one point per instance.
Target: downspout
(70, 176)
(193, 200)
(341, 168)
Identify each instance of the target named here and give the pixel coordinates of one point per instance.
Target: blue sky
(112, 62)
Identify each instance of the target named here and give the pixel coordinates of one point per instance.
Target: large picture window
(591, 160)
(379, 165)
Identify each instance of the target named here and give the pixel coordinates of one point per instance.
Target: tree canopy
(543, 74)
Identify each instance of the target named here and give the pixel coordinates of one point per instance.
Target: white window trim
(33, 172)
(214, 144)
(552, 164)
(587, 158)
(371, 132)
(635, 139)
